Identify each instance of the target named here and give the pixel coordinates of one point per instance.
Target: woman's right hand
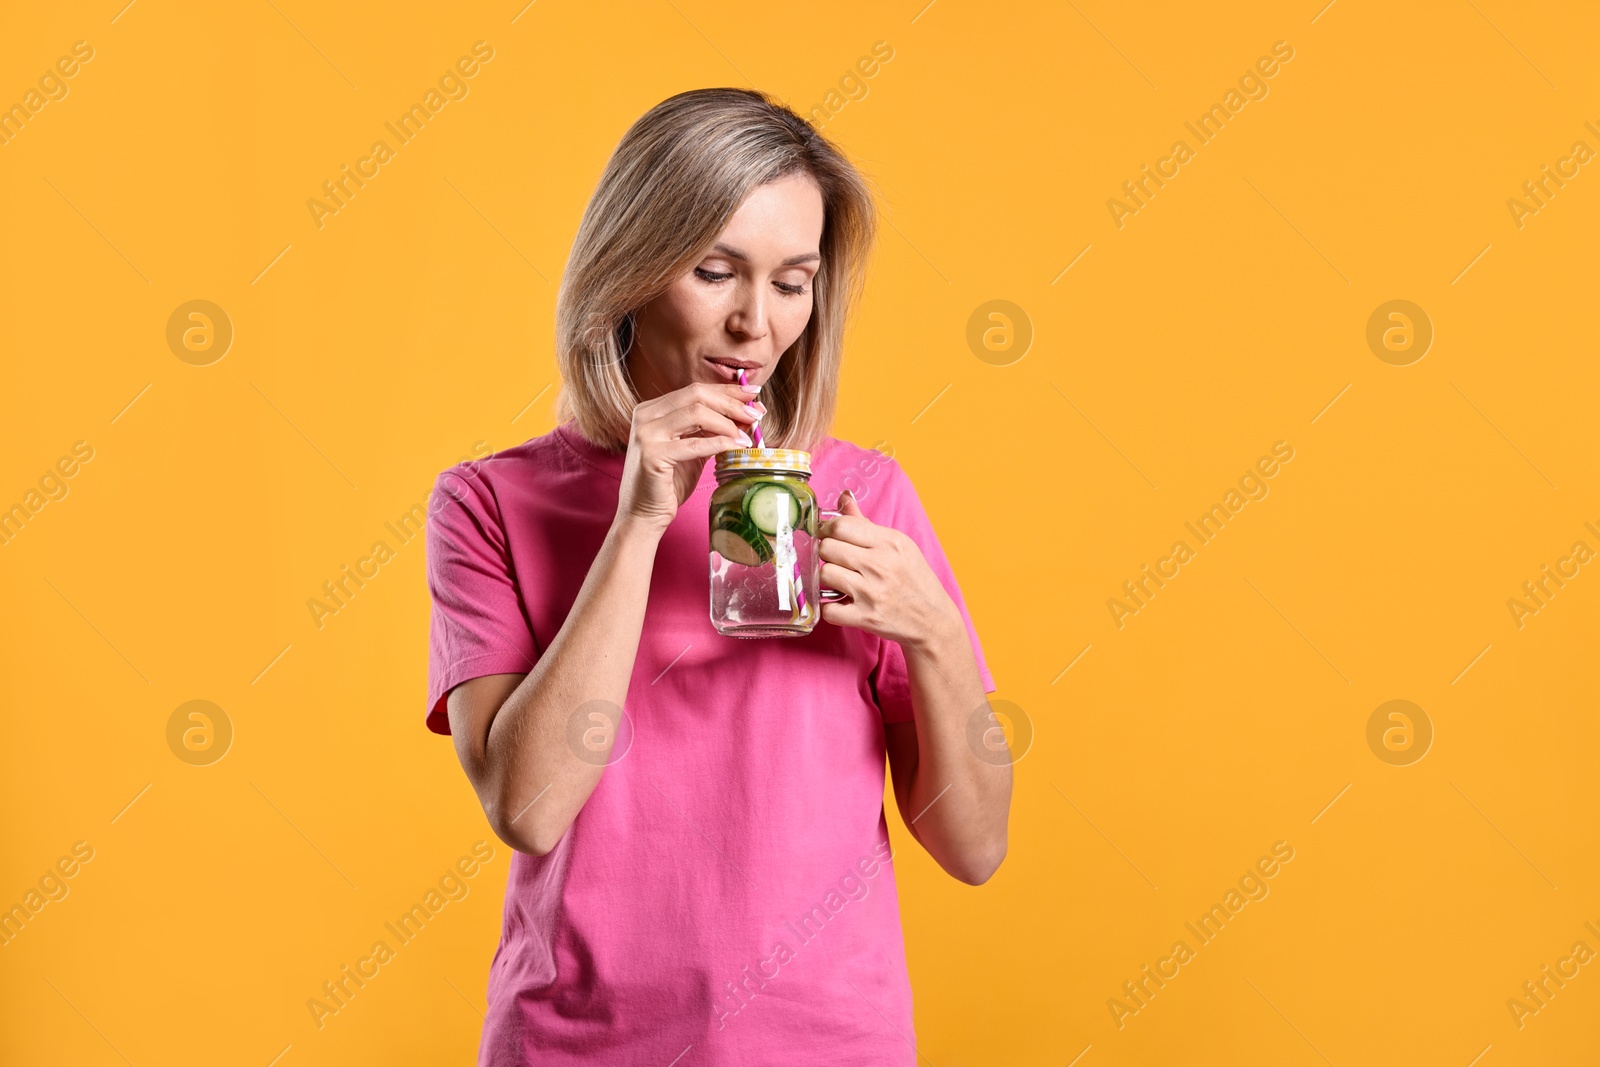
(671, 438)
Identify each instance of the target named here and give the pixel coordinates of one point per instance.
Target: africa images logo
(1252, 86)
(853, 885)
(1252, 886)
(452, 85)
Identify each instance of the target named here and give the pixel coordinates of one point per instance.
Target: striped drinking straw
(799, 584)
(755, 429)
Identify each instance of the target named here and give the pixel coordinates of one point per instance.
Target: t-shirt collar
(603, 460)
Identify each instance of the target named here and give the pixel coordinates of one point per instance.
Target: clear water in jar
(775, 596)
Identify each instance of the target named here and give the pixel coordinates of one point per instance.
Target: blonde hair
(669, 189)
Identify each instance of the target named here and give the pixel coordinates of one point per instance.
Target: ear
(847, 503)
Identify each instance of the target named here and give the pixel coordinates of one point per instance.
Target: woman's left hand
(893, 592)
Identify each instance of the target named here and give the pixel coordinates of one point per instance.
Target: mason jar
(764, 562)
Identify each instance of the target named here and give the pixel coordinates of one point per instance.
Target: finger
(855, 529)
(730, 400)
(695, 419)
(747, 410)
(842, 614)
(687, 448)
(833, 576)
(718, 394)
(844, 553)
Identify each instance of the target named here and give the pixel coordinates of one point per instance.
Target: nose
(749, 315)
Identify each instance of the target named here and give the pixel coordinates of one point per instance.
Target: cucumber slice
(740, 542)
(752, 486)
(734, 548)
(730, 493)
(766, 504)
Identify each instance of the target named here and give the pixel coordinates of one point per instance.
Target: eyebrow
(734, 253)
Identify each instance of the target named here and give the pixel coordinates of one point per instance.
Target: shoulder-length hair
(670, 187)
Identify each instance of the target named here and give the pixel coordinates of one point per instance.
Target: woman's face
(743, 304)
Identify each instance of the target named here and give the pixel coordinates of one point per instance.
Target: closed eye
(714, 277)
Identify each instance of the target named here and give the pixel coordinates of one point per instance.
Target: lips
(728, 370)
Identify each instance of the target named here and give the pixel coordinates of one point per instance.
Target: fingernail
(744, 439)
(751, 388)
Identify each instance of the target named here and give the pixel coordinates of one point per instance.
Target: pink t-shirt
(726, 894)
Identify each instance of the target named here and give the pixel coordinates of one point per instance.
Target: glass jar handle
(823, 593)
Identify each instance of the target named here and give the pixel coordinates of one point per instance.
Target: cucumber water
(766, 503)
(739, 541)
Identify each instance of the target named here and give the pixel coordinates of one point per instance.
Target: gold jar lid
(785, 460)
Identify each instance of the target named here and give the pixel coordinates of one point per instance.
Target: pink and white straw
(755, 427)
(799, 584)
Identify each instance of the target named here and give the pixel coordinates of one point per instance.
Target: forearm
(539, 781)
(958, 802)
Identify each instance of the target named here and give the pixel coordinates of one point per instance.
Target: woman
(705, 877)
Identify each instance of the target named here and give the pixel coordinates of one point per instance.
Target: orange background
(1229, 313)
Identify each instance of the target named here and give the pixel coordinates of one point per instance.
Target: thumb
(848, 504)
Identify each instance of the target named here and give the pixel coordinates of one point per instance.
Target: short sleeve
(903, 510)
(477, 625)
